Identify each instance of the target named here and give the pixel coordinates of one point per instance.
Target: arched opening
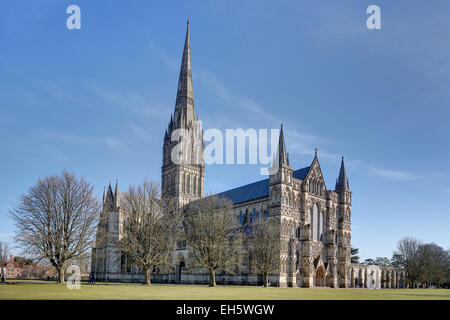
(319, 280)
(352, 278)
(183, 183)
(188, 184)
(315, 223)
(361, 278)
(194, 187)
(321, 227)
(366, 279)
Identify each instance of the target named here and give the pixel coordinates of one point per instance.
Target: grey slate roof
(256, 190)
(301, 173)
(248, 192)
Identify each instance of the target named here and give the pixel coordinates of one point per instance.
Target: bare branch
(213, 235)
(56, 219)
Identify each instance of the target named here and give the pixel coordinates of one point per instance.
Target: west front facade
(314, 221)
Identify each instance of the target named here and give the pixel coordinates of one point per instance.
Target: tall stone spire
(282, 155)
(184, 105)
(184, 179)
(342, 182)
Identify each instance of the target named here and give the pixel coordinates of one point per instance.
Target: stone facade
(315, 222)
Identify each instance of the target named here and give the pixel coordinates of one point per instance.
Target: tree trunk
(212, 278)
(61, 271)
(266, 279)
(147, 277)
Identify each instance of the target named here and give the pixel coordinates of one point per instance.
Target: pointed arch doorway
(319, 280)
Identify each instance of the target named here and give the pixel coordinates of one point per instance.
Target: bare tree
(56, 220)
(4, 251)
(150, 228)
(213, 235)
(264, 247)
(408, 257)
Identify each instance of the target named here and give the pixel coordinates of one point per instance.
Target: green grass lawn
(50, 291)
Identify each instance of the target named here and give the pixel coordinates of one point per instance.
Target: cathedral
(315, 222)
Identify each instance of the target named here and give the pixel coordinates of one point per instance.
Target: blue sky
(96, 101)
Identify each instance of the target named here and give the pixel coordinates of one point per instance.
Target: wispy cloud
(131, 101)
(303, 143)
(386, 172)
(51, 88)
(54, 155)
(91, 141)
(394, 174)
(144, 133)
(398, 174)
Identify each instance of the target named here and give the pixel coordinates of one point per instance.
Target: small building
(13, 269)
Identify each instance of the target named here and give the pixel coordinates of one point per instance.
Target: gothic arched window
(315, 223)
(188, 183)
(194, 187)
(241, 217)
(320, 226)
(253, 215)
(183, 183)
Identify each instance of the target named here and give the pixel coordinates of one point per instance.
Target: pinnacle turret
(282, 155)
(342, 182)
(116, 194)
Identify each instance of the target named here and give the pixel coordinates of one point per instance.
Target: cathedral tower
(344, 226)
(282, 195)
(105, 263)
(183, 170)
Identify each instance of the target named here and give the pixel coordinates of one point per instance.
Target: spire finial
(315, 152)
